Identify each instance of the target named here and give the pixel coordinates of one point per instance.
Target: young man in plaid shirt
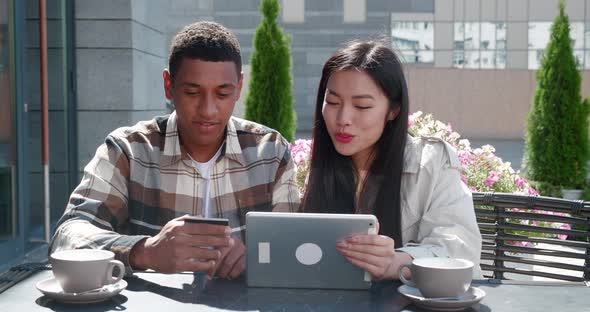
(199, 160)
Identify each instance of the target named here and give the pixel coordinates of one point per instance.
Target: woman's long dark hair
(331, 185)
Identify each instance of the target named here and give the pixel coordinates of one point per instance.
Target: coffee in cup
(439, 277)
(80, 270)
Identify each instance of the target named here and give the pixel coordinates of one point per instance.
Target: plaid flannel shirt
(142, 177)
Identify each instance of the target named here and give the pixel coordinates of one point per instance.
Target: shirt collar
(233, 149)
(412, 156)
(174, 152)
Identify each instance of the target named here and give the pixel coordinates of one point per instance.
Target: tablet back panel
(298, 250)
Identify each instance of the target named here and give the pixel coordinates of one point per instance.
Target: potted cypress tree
(556, 147)
(269, 99)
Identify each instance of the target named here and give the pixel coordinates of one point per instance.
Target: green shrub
(269, 100)
(557, 127)
(546, 189)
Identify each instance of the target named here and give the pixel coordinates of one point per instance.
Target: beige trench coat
(438, 219)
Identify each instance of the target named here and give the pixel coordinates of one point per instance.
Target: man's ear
(393, 113)
(240, 83)
(167, 84)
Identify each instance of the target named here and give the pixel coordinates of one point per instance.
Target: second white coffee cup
(81, 270)
(439, 277)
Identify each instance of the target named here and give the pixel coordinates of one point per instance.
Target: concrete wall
(478, 103)
(322, 31)
(318, 28)
(120, 54)
(122, 47)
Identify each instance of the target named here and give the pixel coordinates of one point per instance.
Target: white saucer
(51, 288)
(442, 305)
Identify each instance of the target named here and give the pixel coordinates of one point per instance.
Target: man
(199, 160)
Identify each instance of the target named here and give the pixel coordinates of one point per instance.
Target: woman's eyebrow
(358, 96)
(363, 96)
(333, 93)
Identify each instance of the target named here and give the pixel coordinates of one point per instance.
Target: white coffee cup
(439, 277)
(81, 270)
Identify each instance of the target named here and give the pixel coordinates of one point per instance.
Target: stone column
(120, 54)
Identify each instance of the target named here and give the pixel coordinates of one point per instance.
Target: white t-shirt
(204, 169)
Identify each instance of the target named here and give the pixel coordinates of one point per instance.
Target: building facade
(469, 62)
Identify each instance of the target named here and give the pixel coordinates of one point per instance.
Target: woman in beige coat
(364, 161)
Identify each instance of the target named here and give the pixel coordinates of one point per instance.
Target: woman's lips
(344, 137)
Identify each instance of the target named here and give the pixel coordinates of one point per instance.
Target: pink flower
(520, 181)
(523, 244)
(464, 158)
(482, 170)
(492, 178)
(300, 158)
(301, 151)
(564, 226)
(532, 191)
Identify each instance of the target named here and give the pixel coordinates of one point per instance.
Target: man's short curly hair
(206, 41)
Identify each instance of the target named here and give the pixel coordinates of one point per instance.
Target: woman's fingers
(368, 258)
(376, 250)
(372, 253)
(379, 240)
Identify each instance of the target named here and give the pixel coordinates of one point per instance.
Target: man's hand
(182, 246)
(233, 261)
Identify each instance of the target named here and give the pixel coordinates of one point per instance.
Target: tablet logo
(308, 254)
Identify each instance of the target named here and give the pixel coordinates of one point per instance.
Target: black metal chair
(500, 226)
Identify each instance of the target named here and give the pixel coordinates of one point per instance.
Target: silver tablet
(298, 250)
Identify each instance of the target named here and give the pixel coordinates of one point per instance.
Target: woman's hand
(374, 254)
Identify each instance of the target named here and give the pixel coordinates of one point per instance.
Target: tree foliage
(269, 99)
(557, 127)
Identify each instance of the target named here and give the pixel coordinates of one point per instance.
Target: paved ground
(508, 150)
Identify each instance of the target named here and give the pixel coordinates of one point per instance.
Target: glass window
(587, 35)
(471, 36)
(8, 212)
(488, 36)
(579, 55)
(587, 63)
(472, 59)
(535, 58)
(488, 59)
(539, 33)
(501, 36)
(58, 114)
(479, 45)
(417, 57)
(577, 35)
(459, 58)
(415, 41)
(501, 59)
(539, 36)
(459, 36)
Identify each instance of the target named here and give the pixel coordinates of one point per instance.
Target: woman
(363, 161)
